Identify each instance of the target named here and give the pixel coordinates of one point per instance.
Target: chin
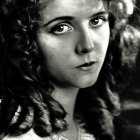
(88, 83)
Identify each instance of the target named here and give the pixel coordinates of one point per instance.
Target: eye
(97, 21)
(61, 29)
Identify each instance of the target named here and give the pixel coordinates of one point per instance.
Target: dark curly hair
(130, 95)
(23, 86)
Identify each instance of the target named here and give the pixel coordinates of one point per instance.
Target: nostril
(84, 50)
(85, 42)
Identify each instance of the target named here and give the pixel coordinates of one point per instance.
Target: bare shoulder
(27, 136)
(10, 138)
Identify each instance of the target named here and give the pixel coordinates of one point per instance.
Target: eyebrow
(59, 18)
(71, 18)
(99, 13)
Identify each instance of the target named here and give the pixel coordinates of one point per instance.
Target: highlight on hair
(23, 87)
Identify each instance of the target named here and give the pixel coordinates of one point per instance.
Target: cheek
(104, 40)
(53, 45)
(55, 53)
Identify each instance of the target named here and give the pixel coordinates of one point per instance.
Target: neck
(66, 97)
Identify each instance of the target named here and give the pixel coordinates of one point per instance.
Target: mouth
(86, 66)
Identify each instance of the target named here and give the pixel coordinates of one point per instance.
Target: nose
(85, 42)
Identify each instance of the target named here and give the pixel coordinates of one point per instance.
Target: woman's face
(74, 40)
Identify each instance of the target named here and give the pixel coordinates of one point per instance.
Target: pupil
(60, 28)
(95, 21)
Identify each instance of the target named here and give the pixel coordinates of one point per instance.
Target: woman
(58, 68)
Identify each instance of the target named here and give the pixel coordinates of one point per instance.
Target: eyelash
(66, 27)
(98, 21)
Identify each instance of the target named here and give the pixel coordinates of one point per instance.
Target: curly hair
(130, 95)
(24, 88)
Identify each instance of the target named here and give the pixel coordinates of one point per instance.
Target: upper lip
(86, 64)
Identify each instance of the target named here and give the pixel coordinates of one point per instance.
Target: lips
(86, 66)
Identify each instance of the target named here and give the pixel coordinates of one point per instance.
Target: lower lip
(87, 68)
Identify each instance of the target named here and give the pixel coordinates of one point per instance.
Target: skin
(67, 43)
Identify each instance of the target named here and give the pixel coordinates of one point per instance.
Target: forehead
(72, 2)
(54, 8)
